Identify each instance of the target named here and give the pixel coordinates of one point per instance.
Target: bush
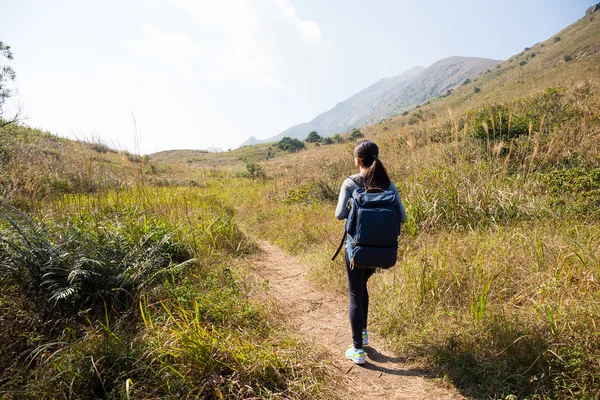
(76, 267)
(567, 58)
(328, 140)
(313, 137)
(556, 39)
(134, 158)
(476, 90)
(405, 113)
(100, 147)
(466, 81)
(290, 144)
(253, 170)
(338, 138)
(355, 134)
(312, 192)
(499, 122)
(522, 63)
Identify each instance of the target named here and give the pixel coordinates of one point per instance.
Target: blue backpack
(372, 229)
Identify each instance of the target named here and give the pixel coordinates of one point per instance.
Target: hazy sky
(200, 73)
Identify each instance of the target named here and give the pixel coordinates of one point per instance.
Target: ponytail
(376, 176)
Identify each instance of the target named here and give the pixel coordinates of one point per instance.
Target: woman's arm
(341, 211)
(403, 216)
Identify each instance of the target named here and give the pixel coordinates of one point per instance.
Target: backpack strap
(360, 182)
(340, 246)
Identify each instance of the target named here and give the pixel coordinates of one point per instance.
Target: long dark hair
(376, 176)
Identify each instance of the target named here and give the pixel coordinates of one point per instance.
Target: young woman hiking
(372, 176)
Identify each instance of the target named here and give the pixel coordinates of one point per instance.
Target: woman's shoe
(358, 356)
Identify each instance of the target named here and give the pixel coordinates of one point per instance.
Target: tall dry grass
(497, 278)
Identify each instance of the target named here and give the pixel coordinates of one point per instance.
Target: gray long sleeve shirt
(349, 186)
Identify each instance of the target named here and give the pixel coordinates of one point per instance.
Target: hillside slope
(564, 59)
(388, 97)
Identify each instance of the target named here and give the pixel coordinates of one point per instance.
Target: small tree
(328, 140)
(253, 170)
(355, 134)
(338, 138)
(313, 137)
(290, 144)
(7, 74)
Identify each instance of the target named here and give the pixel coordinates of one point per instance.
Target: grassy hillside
(497, 279)
(539, 66)
(115, 285)
(125, 278)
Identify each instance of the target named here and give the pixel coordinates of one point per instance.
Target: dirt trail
(323, 320)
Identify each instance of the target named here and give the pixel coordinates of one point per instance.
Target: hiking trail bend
(321, 318)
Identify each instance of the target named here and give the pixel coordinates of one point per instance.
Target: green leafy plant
(76, 267)
(290, 144)
(313, 137)
(355, 134)
(253, 170)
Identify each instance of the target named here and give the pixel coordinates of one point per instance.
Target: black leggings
(359, 301)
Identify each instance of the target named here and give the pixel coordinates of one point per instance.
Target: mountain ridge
(387, 97)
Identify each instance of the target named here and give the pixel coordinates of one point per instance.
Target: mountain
(251, 141)
(388, 97)
(564, 59)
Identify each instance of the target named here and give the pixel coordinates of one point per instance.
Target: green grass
(496, 283)
(139, 293)
(125, 278)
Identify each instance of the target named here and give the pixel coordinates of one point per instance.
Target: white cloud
(277, 84)
(261, 42)
(308, 28)
(171, 47)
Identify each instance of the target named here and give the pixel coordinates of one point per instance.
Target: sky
(152, 75)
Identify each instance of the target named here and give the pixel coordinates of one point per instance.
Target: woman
(372, 175)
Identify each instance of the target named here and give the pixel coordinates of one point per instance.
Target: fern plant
(78, 267)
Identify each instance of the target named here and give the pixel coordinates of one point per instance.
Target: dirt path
(322, 318)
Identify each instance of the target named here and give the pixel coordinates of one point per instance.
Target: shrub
(312, 192)
(405, 113)
(556, 39)
(253, 170)
(522, 63)
(476, 90)
(76, 268)
(290, 144)
(466, 81)
(355, 134)
(313, 137)
(499, 122)
(134, 158)
(328, 140)
(338, 138)
(567, 58)
(100, 147)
